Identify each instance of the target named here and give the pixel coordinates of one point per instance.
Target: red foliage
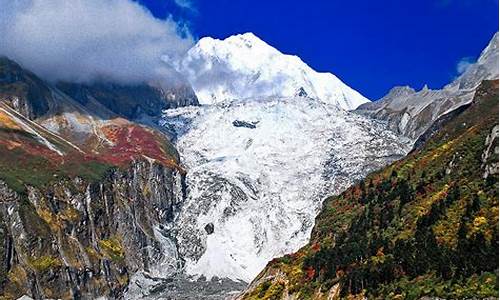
(310, 272)
(31, 147)
(315, 247)
(128, 142)
(134, 142)
(356, 193)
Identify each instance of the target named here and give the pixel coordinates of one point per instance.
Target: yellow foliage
(44, 263)
(70, 214)
(7, 122)
(446, 229)
(112, 248)
(17, 275)
(480, 222)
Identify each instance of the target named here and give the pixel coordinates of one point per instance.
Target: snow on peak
(243, 66)
(485, 68)
(399, 91)
(248, 40)
(490, 50)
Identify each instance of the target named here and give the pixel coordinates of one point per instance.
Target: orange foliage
(310, 272)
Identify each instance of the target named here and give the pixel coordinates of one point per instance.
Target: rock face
(424, 226)
(238, 123)
(87, 198)
(23, 90)
(123, 99)
(80, 239)
(411, 113)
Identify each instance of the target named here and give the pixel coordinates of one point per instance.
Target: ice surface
(262, 187)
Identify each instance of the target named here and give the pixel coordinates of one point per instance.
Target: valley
(249, 178)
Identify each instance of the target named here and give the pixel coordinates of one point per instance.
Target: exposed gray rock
(143, 286)
(411, 112)
(438, 124)
(209, 228)
(131, 101)
(301, 92)
(489, 165)
(79, 239)
(23, 91)
(238, 123)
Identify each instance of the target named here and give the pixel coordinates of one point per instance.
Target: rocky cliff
(122, 99)
(76, 239)
(86, 196)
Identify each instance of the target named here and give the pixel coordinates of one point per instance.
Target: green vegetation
(268, 291)
(16, 169)
(424, 226)
(475, 286)
(19, 168)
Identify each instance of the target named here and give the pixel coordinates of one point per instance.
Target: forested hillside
(426, 225)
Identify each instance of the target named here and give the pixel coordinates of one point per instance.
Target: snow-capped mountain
(257, 170)
(243, 66)
(273, 138)
(411, 112)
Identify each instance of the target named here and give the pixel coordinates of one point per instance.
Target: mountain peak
(485, 68)
(245, 67)
(247, 37)
(243, 41)
(490, 50)
(399, 91)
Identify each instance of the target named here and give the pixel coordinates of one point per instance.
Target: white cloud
(81, 40)
(184, 3)
(464, 64)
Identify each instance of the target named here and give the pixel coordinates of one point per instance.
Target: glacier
(259, 189)
(271, 139)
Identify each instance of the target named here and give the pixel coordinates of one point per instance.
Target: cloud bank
(464, 64)
(85, 40)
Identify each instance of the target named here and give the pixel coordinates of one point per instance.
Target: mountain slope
(426, 225)
(243, 66)
(84, 200)
(410, 112)
(122, 99)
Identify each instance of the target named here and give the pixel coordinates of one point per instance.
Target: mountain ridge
(84, 194)
(243, 66)
(97, 198)
(412, 112)
(424, 226)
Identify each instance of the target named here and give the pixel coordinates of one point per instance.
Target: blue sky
(371, 45)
